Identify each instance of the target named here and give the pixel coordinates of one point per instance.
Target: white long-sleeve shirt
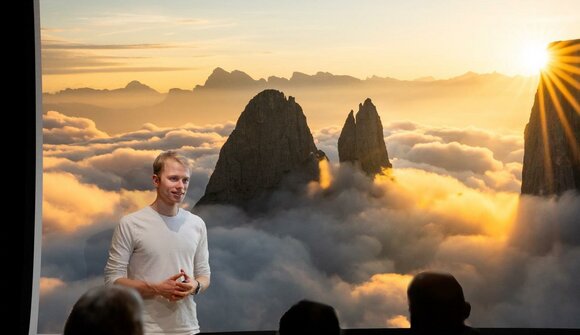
(151, 247)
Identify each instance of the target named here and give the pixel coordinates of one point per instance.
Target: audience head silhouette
(113, 310)
(309, 318)
(436, 303)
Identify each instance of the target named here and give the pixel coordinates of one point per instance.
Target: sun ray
(569, 59)
(561, 115)
(562, 48)
(566, 77)
(566, 67)
(548, 172)
(565, 92)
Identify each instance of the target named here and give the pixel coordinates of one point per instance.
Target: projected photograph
(338, 149)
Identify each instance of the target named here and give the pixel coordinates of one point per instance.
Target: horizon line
(424, 79)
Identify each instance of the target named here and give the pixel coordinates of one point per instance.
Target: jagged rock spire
(361, 141)
(270, 144)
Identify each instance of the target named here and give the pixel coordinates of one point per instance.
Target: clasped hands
(174, 289)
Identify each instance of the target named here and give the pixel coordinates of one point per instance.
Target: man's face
(172, 182)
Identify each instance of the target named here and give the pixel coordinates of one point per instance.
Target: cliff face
(270, 145)
(361, 141)
(552, 136)
(347, 140)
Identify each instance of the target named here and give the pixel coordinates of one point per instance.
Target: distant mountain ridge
(134, 86)
(324, 97)
(223, 79)
(220, 78)
(134, 94)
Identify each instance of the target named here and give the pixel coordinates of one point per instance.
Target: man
(437, 305)
(161, 251)
(114, 310)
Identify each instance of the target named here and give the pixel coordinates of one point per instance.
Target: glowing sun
(534, 58)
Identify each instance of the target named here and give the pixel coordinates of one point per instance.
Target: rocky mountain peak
(347, 141)
(270, 148)
(361, 140)
(552, 136)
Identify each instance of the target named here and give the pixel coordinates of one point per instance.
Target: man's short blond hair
(159, 162)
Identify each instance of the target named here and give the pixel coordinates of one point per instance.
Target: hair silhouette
(309, 318)
(437, 304)
(114, 310)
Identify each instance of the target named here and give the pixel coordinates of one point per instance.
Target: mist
(325, 98)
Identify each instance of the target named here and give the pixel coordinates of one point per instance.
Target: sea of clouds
(451, 203)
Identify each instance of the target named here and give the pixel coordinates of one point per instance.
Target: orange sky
(177, 44)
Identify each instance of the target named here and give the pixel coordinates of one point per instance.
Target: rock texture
(271, 147)
(347, 140)
(361, 141)
(552, 136)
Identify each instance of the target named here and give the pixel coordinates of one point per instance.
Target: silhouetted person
(309, 318)
(437, 305)
(114, 310)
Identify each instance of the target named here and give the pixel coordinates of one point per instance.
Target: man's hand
(173, 289)
(187, 279)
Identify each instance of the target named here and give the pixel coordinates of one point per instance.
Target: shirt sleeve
(201, 258)
(119, 253)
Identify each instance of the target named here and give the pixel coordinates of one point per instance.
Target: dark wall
(19, 164)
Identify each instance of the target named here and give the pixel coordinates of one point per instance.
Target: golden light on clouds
(389, 285)
(452, 201)
(133, 200)
(382, 290)
(49, 162)
(69, 204)
(59, 128)
(414, 183)
(398, 321)
(325, 174)
(48, 285)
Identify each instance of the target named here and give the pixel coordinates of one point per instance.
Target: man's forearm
(147, 290)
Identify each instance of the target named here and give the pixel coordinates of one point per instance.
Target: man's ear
(466, 310)
(156, 180)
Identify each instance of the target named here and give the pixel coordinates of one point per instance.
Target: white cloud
(454, 156)
(353, 244)
(69, 204)
(61, 129)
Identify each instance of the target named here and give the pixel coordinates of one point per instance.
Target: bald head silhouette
(437, 304)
